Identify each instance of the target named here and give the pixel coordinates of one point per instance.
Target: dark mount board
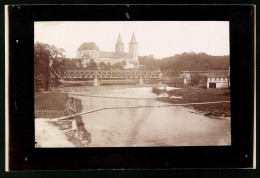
(21, 128)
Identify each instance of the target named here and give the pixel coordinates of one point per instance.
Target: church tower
(133, 48)
(119, 46)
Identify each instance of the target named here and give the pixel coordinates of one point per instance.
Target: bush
(196, 79)
(54, 82)
(156, 90)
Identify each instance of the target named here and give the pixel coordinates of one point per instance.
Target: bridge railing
(119, 74)
(105, 74)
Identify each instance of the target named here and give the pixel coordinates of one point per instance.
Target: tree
(46, 58)
(192, 61)
(195, 79)
(102, 66)
(119, 65)
(149, 63)
(92, 65)
(108, 66)
(71, 64)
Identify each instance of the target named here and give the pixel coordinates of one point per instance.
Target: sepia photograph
(130, 87)
(131, 83)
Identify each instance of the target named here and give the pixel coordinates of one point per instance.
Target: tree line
(186, 61)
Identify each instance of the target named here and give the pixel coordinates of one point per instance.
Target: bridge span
(97, 75)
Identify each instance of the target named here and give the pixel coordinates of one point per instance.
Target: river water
(149, 126)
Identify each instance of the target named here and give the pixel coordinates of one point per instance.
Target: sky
(159, 38)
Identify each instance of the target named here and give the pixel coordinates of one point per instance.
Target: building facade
(218, 79)
(88, 51)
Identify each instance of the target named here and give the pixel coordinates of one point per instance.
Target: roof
(119, 41)
(105, 54)
(133, 41)
(218, 73)
(88, 46)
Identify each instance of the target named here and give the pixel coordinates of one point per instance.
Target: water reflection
(131, 138)
(170, 126)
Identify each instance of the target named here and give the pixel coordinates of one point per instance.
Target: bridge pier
(141, 82)
(96, 82)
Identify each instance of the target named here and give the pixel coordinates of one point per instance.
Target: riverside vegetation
(193, 94)
(80, 137)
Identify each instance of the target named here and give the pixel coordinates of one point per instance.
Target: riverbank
(199, 95)
(53, 133)
(47, 135)
(154, 126)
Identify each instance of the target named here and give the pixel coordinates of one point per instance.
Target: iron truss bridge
(110, 74)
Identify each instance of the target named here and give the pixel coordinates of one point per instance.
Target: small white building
(218, 79)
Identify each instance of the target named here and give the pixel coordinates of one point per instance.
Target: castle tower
(119, 46)
(133, 48)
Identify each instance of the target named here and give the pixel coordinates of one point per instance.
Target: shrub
(156, 90)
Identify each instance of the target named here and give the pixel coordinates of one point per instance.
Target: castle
(88, 51)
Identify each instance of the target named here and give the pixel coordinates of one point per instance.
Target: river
(149, 126)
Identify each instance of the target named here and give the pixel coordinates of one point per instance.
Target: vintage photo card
(130, 87)
(128, 83)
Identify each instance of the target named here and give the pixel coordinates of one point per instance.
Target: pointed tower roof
(119, 41)
(133, 39)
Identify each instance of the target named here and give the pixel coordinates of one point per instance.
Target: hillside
(186, 61)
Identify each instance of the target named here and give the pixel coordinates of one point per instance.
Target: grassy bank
(50, 101)
(199, 95)
(80, 137)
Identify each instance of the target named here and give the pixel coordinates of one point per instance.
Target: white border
(254, 141)
(7, 82)
(6, 89)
